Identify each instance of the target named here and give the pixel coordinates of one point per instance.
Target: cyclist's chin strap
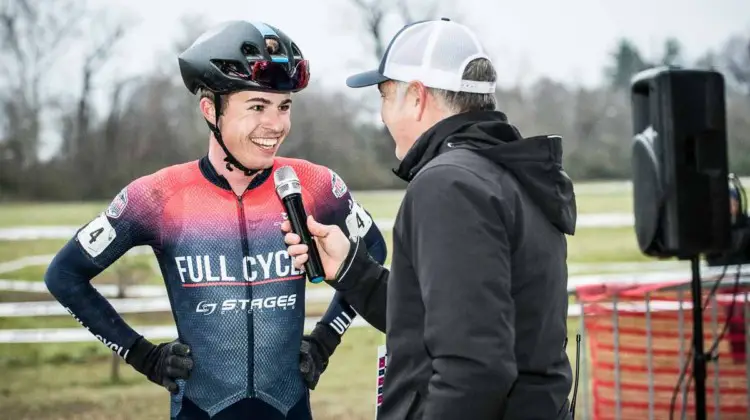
(229, 159)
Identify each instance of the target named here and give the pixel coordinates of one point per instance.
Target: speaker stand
(699, 356)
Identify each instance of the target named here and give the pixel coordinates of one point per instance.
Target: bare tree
(83, 155)
(409, 13)
(737, 62)
(375, 13)
(32, 34)
(93, 62)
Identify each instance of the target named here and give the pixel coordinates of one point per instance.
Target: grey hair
(479, 70)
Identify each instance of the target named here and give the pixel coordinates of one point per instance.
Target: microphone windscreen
(286, 182)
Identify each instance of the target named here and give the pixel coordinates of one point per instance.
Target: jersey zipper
(249, 297)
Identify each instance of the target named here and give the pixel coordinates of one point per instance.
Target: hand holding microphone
(302, 232)
(331, 242)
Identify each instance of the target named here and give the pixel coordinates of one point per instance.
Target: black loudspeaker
(679, 162)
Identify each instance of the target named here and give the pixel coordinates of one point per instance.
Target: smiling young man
(237, 299)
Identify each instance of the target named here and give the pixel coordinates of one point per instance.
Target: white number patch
(358, 221)
(96, 236)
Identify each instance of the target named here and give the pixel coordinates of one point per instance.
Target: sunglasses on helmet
(271, 74)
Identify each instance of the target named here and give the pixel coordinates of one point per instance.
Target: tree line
(151, 121)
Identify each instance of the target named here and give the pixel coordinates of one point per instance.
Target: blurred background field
(73, 380)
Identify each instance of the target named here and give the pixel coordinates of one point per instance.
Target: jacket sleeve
(126, 223)
(364, 284)
(459, 248)
(336, 205)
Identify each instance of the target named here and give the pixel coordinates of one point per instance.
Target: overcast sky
(566, 40)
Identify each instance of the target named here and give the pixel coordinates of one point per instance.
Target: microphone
(290, 192)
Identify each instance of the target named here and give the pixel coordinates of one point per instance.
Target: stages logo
(283, 302)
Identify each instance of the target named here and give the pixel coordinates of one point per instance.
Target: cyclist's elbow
(54, 278)
(64, 272)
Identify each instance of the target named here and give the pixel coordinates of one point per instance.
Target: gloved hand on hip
(162, 364)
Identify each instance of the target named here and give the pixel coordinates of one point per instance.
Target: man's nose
(273, 121)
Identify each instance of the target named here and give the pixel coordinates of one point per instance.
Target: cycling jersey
(237, 300)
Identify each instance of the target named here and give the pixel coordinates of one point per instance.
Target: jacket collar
(431, 142)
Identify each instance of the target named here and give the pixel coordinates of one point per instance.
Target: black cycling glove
(162, 364)
(315, 350)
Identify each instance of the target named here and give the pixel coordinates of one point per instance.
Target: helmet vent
(251, 51)
(272, 46)
(296, 52)
(231, 68)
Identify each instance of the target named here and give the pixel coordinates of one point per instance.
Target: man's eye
(258, 108)
(285, 107)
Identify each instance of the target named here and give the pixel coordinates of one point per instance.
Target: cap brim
(368, 78)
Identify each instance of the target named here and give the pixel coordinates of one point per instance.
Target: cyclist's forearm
(339, 314)
(68, 279)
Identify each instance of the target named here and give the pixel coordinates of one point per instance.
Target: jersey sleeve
(335, 205)
(131, 219)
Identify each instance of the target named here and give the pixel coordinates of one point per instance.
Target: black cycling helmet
(240, 55)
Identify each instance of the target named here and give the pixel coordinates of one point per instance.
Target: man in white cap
(474, 306)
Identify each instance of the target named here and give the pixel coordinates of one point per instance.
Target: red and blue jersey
(237, 300)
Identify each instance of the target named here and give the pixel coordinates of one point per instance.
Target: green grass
(603, 246)
(11, 250)
(385, 204)
(379, 204)
(46, 214)
(604, 203)
(80, 387)
(70, 380)
(77, 385)
(30, 273)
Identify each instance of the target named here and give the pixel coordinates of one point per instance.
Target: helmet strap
(229, 159)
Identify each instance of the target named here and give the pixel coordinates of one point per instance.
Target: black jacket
(476, 311)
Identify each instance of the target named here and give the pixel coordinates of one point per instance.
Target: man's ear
(420, 98)
(207, 109)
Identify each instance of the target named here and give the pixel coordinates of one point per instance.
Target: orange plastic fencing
(639, 339)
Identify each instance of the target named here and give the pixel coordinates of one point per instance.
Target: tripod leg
(699, 357)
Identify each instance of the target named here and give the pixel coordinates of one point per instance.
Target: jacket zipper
(249, 297)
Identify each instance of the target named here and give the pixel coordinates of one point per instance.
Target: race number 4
(96, 236)
(358, 222)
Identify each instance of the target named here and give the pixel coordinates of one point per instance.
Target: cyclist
(214, 226)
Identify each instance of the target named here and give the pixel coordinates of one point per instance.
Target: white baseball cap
(434, 52)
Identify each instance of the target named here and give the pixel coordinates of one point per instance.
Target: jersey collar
(209, 172)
